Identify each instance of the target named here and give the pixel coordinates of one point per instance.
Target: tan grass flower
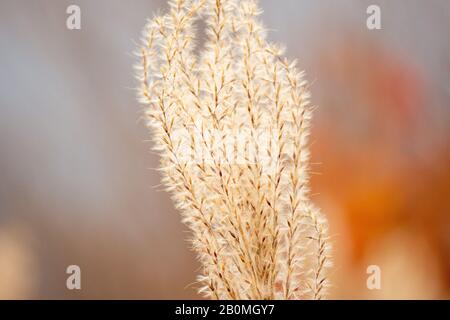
(231, 122)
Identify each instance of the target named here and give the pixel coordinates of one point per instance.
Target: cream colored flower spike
(230, 119)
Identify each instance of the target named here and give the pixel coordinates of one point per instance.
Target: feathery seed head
(231, 124)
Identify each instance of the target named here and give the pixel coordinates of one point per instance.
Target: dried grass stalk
(231, 122)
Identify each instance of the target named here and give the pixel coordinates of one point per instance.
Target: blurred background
(77, 178)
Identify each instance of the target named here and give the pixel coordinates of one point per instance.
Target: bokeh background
(77, 178)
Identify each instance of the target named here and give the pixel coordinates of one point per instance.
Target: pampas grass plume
(230, 119)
